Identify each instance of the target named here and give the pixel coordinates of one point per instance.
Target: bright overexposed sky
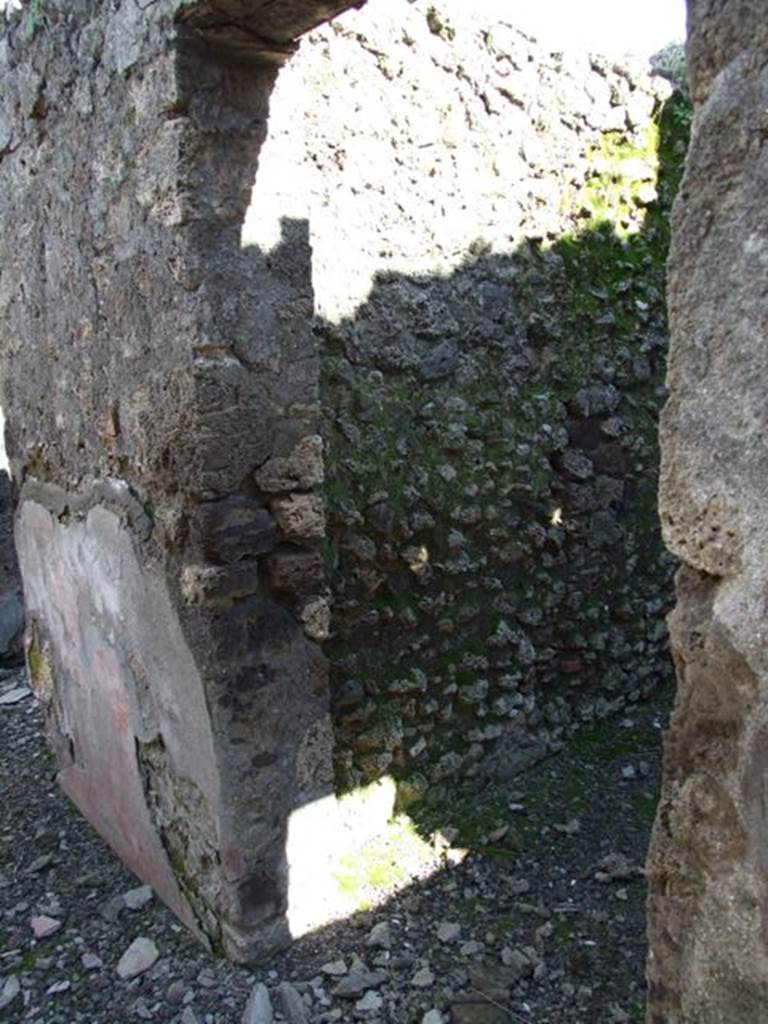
(612, 27)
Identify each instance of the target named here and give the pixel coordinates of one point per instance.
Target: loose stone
(258, 1009)
(370, 1002)
(137, 898)
(9, 991)
(358, 982)
(291, 1004)
(14, 696)
(43, 926)
(448, 931)
(423, 978)
(139, 957)
(336, 968)
(379, 936)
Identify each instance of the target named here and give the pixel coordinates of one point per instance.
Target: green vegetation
(382, 865)
(550, 796)
(453, 522)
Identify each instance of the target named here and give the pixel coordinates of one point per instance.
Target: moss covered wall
(489, 230)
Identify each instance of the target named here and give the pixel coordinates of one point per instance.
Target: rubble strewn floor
(542, 919)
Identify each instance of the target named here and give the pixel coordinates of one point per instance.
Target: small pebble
(448, 931)
(258, 1009)
(39, 863)
(14, 696)
(423, 978)
(291, 1004)
(9, 991)
(175, 992)
(58, 986)
(137, 898)
(370, 1002)
(379, 936)
(335, 968)
(43, 926)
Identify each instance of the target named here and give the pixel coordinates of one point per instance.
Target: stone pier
(160, 387)
(708, 867)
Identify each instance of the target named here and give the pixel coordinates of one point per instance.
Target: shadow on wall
(493, 546)
(11, 604)
(499, 580)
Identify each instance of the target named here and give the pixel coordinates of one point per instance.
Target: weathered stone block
(235, 528)
(295, 571)
(708, 916)
(300, 517)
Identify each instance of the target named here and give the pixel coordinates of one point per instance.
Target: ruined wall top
(277, 22)
(258, 31)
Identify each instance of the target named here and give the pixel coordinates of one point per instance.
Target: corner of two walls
(486, 397)
(489, 229)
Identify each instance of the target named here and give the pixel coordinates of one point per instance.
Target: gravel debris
(545, 927)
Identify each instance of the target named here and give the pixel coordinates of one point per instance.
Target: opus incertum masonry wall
(344, 476)
(488, 226)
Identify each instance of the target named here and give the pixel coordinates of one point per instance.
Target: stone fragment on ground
(291, 1004)
(423, 978)
(433, 1016)
(137, 898)
(616, 867)
(138, 958)
(258, 1009)
(40, 863)
(42, 926)
(9, 991)
(111, 908)
(57, 987)
(14, 696)
(357, 981)
(478, 1011)
(334, 968)
(379, 936)
(448, 931)
(370, 1002)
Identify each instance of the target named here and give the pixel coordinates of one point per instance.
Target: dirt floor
(525, 904)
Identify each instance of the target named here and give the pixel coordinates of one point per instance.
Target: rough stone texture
(151, 367)
(488, 255)
(708, 864)
(483, 364)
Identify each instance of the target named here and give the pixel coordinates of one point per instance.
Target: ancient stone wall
(708, 867)
(449, 275)
(160, 391)
(488, 243)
